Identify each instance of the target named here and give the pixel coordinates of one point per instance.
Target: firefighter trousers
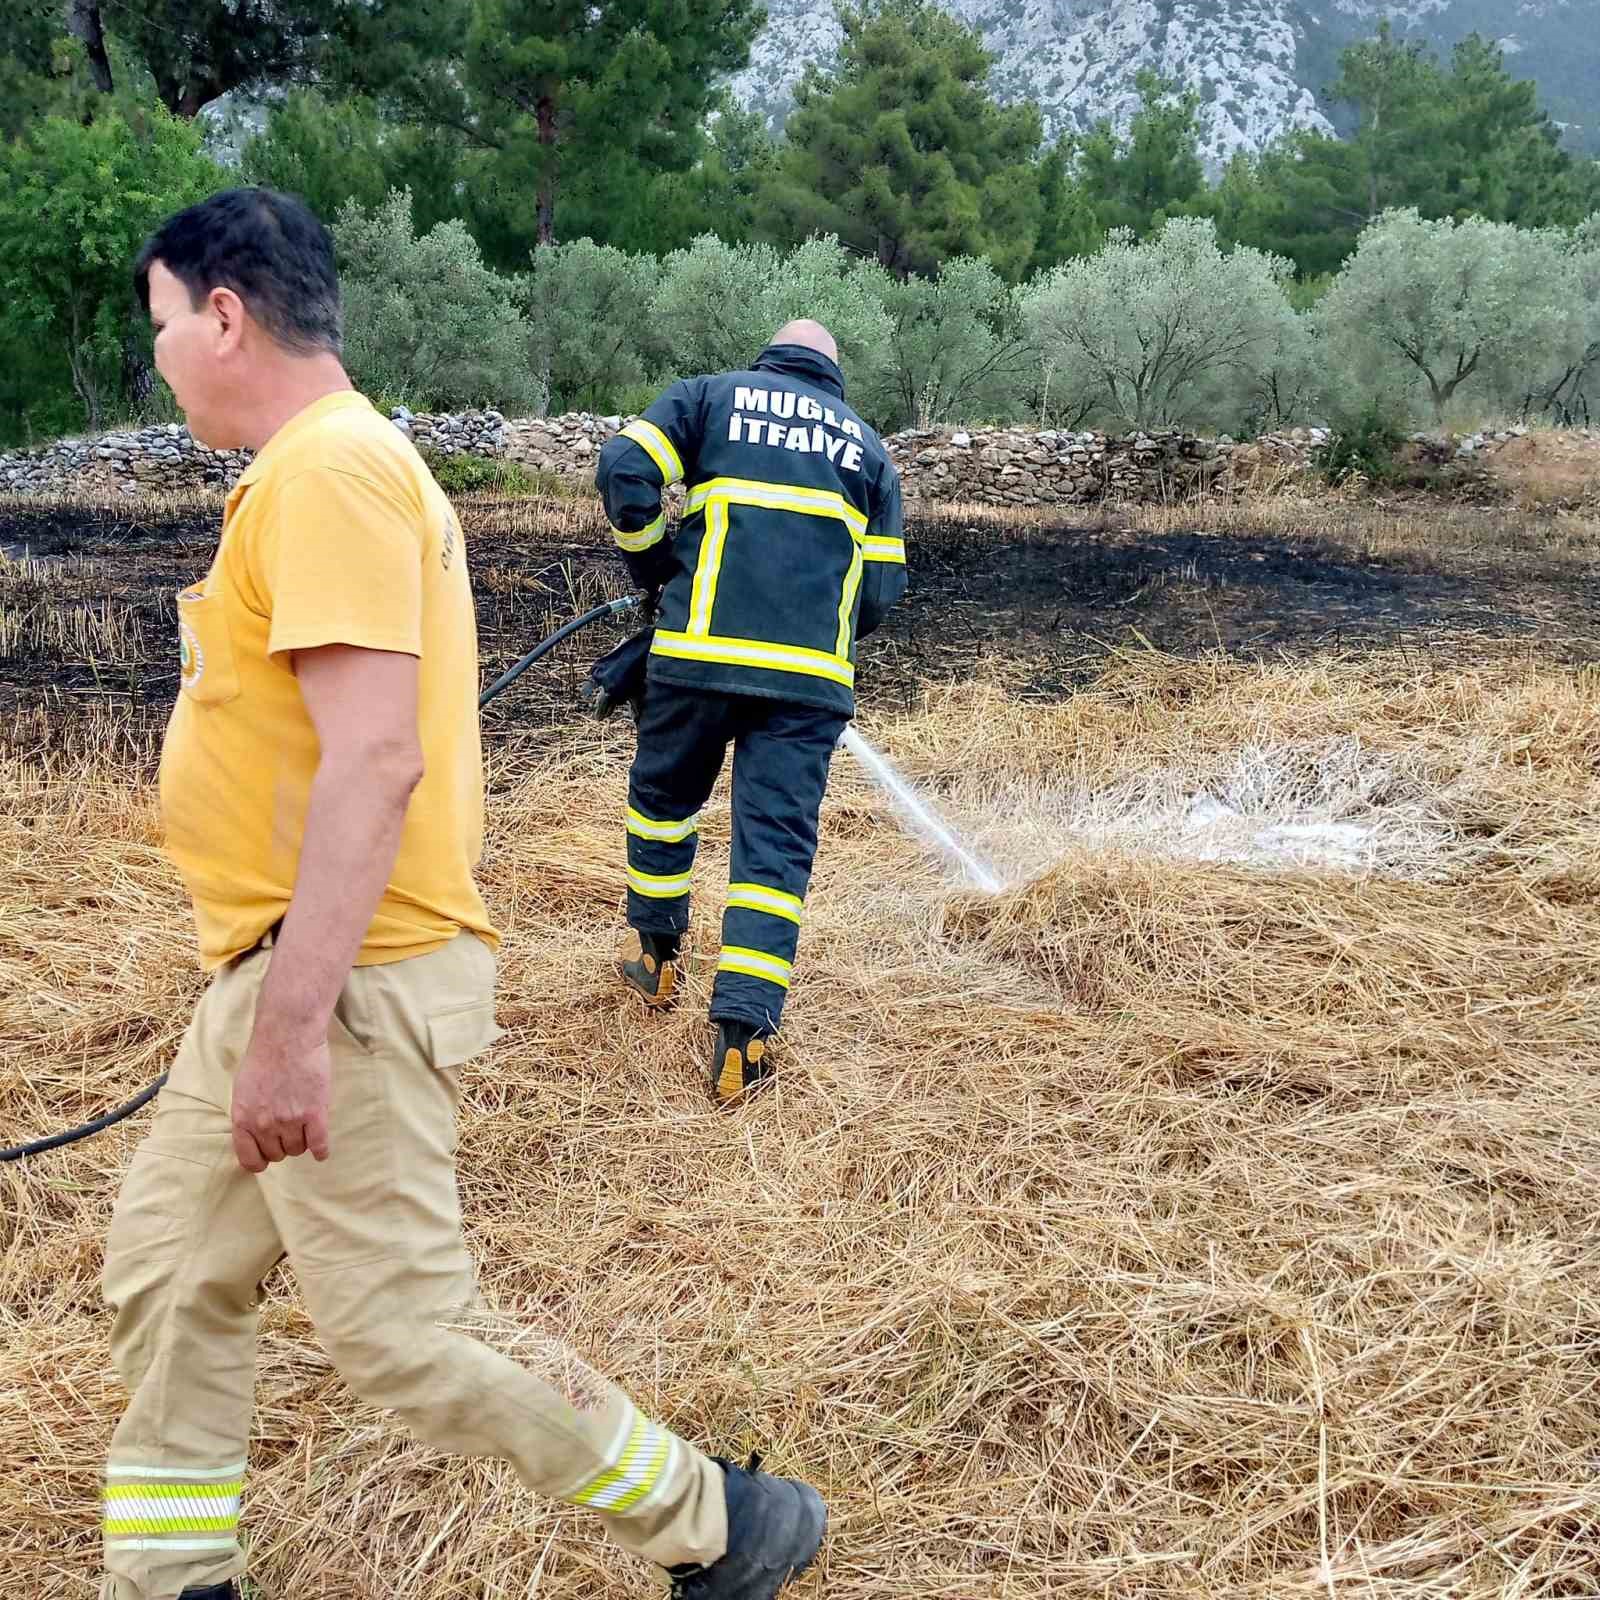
(373, 1235)
(781, 753)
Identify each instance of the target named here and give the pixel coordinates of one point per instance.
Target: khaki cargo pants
(373, 1235)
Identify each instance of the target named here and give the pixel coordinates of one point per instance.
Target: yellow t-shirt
(335, 534)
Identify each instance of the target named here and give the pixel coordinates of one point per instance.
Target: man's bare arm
(363, 704)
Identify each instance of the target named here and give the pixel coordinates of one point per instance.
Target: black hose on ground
(610, 608)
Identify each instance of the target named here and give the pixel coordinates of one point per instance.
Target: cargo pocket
(455, 1036)
(162, 1200)
(458, 1034)
(205, 648)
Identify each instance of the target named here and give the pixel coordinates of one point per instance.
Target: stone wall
(1000, 466)
(148, 461)
(1029, 467)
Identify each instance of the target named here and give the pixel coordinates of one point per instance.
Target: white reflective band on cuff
(638, 1470)
(755, 964)
(178, 1474)
(648, 535)
(877, 549)
(150, 1509)
(755, 897)
(642, 827)
(657, 446)
(666, 1476)
(171, 1544)
(658, 888)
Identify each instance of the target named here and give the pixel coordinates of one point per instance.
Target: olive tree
(1569, 390)
(426, 321)
(1443, 304)
(1169, 331)
(587, 311)
(956, 350)
(717, 304)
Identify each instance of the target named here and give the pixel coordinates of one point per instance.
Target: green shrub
(636, 397)
(717, 304)
(1366, 445)
(76, 203)
(467, 474)
(1165, 332)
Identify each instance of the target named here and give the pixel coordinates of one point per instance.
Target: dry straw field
(1214, 1213)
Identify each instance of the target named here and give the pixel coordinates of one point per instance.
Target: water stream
(919, 813)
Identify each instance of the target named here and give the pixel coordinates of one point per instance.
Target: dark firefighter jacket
(791, 545)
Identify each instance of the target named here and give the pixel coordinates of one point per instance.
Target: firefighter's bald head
(812, 335)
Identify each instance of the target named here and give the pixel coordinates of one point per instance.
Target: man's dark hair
(270, 249)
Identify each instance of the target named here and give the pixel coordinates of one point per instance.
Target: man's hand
(280, 1102)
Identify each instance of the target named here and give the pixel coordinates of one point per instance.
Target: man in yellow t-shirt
(322, 788)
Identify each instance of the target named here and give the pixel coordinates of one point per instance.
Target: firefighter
(790, 549)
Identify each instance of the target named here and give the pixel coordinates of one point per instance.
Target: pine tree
(1068, 225)
(901, 152)
(1155, 172)
(570, 103)
(1470, 141)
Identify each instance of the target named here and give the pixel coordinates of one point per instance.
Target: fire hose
(605, 701)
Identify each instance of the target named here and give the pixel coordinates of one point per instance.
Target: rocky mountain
(1260, 66)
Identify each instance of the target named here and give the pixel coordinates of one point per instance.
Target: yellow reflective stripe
(654, 887)
(755, 964)
(880, 549)
(596, 1487)
(170, 1524)
(715, 496)
(757, 897)
(210, 1506)
(753, 653)
(172, 1491)
(847, 600)
(648, 535)
(635, 1474)
(709, 568)
(643, 827)
(657, 446)
(646, 1473)
(780, 497)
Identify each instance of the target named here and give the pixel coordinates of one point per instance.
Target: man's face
(193, 350)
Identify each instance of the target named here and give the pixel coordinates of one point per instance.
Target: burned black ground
(88, 617)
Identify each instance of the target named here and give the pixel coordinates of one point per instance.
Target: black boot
(212, 1591)
(742, 1060)
(649, 963)
(775, 1528)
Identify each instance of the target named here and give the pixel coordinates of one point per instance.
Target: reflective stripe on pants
(373, 1235)
(781, 753)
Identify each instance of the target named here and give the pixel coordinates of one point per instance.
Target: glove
(619, 676)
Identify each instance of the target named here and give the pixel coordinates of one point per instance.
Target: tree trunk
(84, 24)
(546, 110)
(138, 376)
(83, 380)
(1443, 394)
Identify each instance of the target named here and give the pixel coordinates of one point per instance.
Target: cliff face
(1260, 66)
